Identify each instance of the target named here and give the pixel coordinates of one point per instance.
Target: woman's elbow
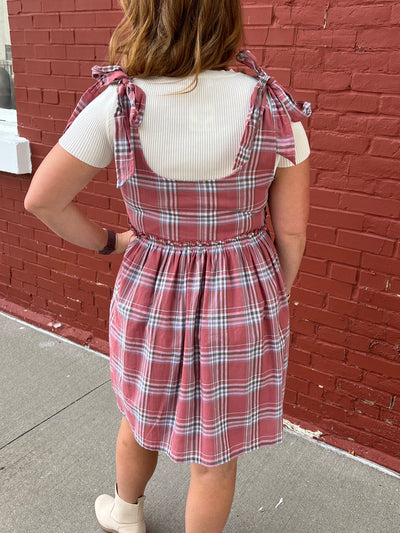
(29, 204)
(291, 236)
(37, 205)
(32, 204)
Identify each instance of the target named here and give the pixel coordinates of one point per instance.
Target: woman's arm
(289, 207)
(57, 181)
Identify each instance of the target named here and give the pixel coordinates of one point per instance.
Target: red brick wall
(343, 56)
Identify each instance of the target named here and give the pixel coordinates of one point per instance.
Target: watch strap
(111, 242)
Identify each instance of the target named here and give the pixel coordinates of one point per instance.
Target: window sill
(15, 153)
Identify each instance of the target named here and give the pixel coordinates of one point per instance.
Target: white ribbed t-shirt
(191, 136)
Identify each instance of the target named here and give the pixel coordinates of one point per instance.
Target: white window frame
(15, 152)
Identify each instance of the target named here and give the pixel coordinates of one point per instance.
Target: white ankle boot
(117, 516)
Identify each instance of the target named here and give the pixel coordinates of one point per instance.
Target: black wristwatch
(111, 241)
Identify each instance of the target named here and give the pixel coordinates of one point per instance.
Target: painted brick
(377, 38)
(349, 102)
(383, 300)
(384, 349)
(283, 15)
(256, 15)
(385, 147)
(80, 271)
(372, 164)
(316, 392)
(390, 105)
(14, 7)
(98, 288)
(386, 227)
(21, 22)
(62, 36)
(387, 188)
(322, 140)
(324, 121)
(255, 36)
(321, 233)
(65, 68)
(383, 126)
(384, 83)
(309, 374)
(51, 96)
(357, 60)
(344, 273)
(374, 280)
(366, 204)
(38, 67)
(281, 75)
(299, 356)
(280, 36)
(322, 316)
(93, 262)
(326, 286)
(314, 266)
(107, 19)
(51, 263)
(379, 264)
(374, 364)
(362, 392)
(330, 335)
(387, 415)
(375, 426)
(35, 37)
(322, 348)
(333, 253)
(46, 21)
(324, 197)
(368, 243)
(92, 36)
(339, 369)
(335, 218)
(365, 408)
(328, 410)
(92, 5)
(80, 52)
(302, 326)
(324, 81)
(354, 16)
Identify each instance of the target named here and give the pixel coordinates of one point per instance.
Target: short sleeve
(90, 137)
(301, 145)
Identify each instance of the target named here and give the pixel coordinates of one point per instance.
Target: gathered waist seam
(196, 243)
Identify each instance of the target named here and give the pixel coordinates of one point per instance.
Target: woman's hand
(123, 240)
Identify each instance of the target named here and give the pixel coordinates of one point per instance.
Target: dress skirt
(199, 346)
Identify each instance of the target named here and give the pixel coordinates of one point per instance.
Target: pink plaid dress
(199, 321)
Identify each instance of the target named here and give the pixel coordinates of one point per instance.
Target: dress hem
(195, 459)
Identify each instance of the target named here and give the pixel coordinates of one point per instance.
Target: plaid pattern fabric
(199, 321)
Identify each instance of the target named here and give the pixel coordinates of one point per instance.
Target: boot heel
(114, 515)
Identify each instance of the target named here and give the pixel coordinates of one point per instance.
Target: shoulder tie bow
(128, 115)
(283, 108)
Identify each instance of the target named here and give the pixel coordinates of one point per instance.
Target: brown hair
(176, 38)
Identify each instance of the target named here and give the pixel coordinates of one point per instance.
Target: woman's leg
(135, 465)
(210, 497)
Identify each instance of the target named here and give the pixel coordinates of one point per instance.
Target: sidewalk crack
(55, 414)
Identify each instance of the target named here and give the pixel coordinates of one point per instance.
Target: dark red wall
(343, 56)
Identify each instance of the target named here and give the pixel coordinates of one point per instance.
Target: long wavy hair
(176, 38)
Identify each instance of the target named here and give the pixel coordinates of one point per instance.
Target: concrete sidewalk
(57, 435)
